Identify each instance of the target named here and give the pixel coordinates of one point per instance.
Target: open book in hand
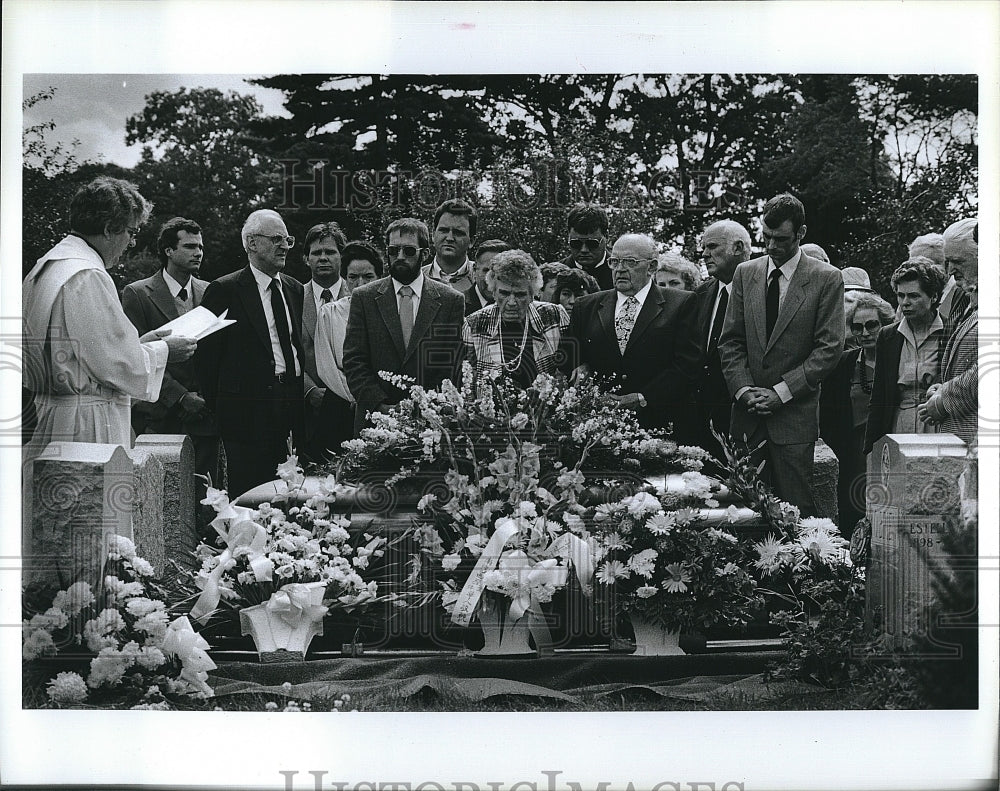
(198, 323)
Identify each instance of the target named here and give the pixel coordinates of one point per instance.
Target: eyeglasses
(133, 232)
(277, 239)
(590, 244)
(408, 250)
(622, 263)
(868, 326)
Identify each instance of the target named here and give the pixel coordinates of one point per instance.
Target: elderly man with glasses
(251, 372)
(638, 336)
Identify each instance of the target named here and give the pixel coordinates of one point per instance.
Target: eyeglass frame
(866, 327)
(401, 248)
(623, 263)
(585, 241)
(288, 240)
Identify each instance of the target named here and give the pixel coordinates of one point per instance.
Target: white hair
(733, 232)
(254, 223)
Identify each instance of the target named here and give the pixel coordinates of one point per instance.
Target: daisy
(677, 578)
(660, 524)
(614, 541)
(612, 570)
(820, 545)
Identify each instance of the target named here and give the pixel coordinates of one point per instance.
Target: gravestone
(913, 484)
(826, 469)
(147, 508)
(81, 494)
(175, 453)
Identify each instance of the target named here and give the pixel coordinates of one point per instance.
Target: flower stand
(283, 627)
(654, 639)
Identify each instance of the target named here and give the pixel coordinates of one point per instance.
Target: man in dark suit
(783, 335)
(724, 246)
(251, 372)
(588, 242)
(151, 303)
(478, 296)
(329, 419)
(641, 336)
(406, 323)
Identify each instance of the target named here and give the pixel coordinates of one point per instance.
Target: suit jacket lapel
(160, 296)
(198, 290)
(295, 308)
(756, 299)
(794, 295)
(387, 308)
(705, 311)
(426, 311)
(651, 308)
(606, 314)
(250, 296)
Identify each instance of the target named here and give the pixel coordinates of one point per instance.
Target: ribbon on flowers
(293, 603)
(183, 642)
(574, 549)
(244, 533)
(474, 586)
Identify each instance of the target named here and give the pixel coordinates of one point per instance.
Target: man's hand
(768, 403)
(579, 374)
(315, 397)
(932, 411)
(179, 347)
(194, 405)
(633, 401)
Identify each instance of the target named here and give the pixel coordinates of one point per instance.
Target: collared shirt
(336, 292)
(436, 273)
(727, 287)
(417, 285)
(640, 296)
(183, 305)
(787, 272)
(483, 299)
(263, 289)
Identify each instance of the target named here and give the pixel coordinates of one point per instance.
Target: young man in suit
(783, 335)
(639, 335)
(328, 418)
(478, 295)
(151, 303)
(724, 246)
(588, 243)
(406, 323)
(251, 372)
(954, 404)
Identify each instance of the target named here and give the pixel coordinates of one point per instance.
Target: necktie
(406, 313)
(281, 324)
(325, 296)
(625, 322)
(772, 302)
(717, 322)
(182, 295)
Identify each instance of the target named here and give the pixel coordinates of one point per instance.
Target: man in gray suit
(150, 304)
(328, 418)
(406, 323)
(783, 335)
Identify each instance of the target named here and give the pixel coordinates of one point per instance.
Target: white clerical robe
(82, 356)
(331, 329)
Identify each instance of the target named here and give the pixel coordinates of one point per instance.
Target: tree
(195, 163)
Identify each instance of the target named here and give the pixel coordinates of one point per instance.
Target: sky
(93, 108)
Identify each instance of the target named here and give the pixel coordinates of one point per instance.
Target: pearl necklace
(514, 364)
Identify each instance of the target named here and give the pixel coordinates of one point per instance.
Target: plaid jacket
(481, 338)
(960, 376)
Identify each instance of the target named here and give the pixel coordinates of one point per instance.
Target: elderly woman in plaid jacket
(515, 337)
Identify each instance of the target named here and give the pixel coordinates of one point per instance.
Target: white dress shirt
(263, 289)
(417, 285)
(183, 305)
(640, 296)
(337, 290)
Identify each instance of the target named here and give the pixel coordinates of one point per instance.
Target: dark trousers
(333, 423)
(787, 470)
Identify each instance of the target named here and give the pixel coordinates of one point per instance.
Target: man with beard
(151, 303)
(406, 323)
(251, 371)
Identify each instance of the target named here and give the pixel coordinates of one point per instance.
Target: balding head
(961, 255)
(724, 246)
(929, 245)
(638, 248)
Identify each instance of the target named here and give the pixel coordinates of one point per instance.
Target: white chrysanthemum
(450, 562)
(52, 618)
(37, 642)
(74, 598)
(641, 503)
(643, 563)
(120, 547)
(721, 535)
(153, 623)
(108, 668)
(646, 591)
(142, 567)
(821, 546)
(140, 606)
(67, 689)
(818, 523)
(771, 554)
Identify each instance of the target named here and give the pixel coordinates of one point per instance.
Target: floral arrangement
(663, 566)
(285, 549)
(141, 656)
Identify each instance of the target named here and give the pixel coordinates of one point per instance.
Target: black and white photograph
(409, 394)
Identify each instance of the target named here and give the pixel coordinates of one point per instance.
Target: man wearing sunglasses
(406, 323)
(638, 336)
(588, 243)
(251, 372)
